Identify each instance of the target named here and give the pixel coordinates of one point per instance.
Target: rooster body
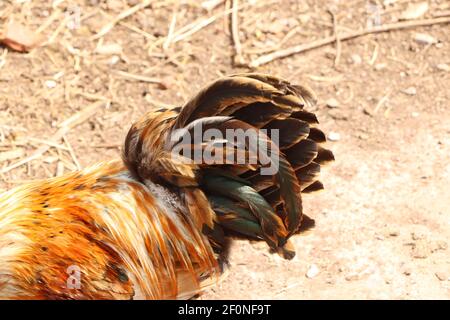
(102, 221)
(151, 226)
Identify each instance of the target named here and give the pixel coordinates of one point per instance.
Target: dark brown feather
(302, 153)
(290, 131)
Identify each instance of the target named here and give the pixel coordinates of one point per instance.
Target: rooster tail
(234, 198)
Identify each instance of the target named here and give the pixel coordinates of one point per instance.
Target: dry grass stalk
(137, 77)
(64, 128)
(238, 59)
(124, 14)
(338, 40)
(325, 41)
(72, 153)
(11, 154)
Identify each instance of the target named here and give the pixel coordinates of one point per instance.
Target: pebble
(380, 66)
(418, 235)
(352, 277)
(304, 18)
(363, 136)
(334, 136)
(50, 159)
(50, 84)
(414, 11)
(368, 111)
(389, 2)
(443, 67)
(411, 91)
(332, 103)
(392, 233)
(114, 59)
(109, 49)
(330, 54)
(379, 237)
(356, 58)
(407, 271)
(424, 38)
(312, 272)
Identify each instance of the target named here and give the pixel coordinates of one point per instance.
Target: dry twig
(72, 153)
(142, 78)
(125, 14)
(173, 22)
(64, 128)
(238, 59)
(325, 41)
(338, 40)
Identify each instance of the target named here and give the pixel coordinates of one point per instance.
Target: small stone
(50, 84)
(442, 276)
(50, 159)
(332, 103)
(208, 4)
(415, 114)
(334, 136)
(330, 54)
(109, 49)
(411, 91)
(312, 272)
(418, 235)
(114, 60)
(304, 18)
(363, 136)
(393, 233)
(389, 2)
(407, 271)
(379, 237)
(352, 277)
(356, 58)
(368, 112)
(58, 75)
(423, 38)
(338, 115)
(443, 67)
(380, 66)
(414, 11)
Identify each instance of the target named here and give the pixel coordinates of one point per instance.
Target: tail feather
(290, 131)
(302, 154)
(317, 135)
(245, 202)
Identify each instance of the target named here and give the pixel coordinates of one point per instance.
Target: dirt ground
(382, 223)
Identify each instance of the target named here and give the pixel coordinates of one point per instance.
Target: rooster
(157, 224)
